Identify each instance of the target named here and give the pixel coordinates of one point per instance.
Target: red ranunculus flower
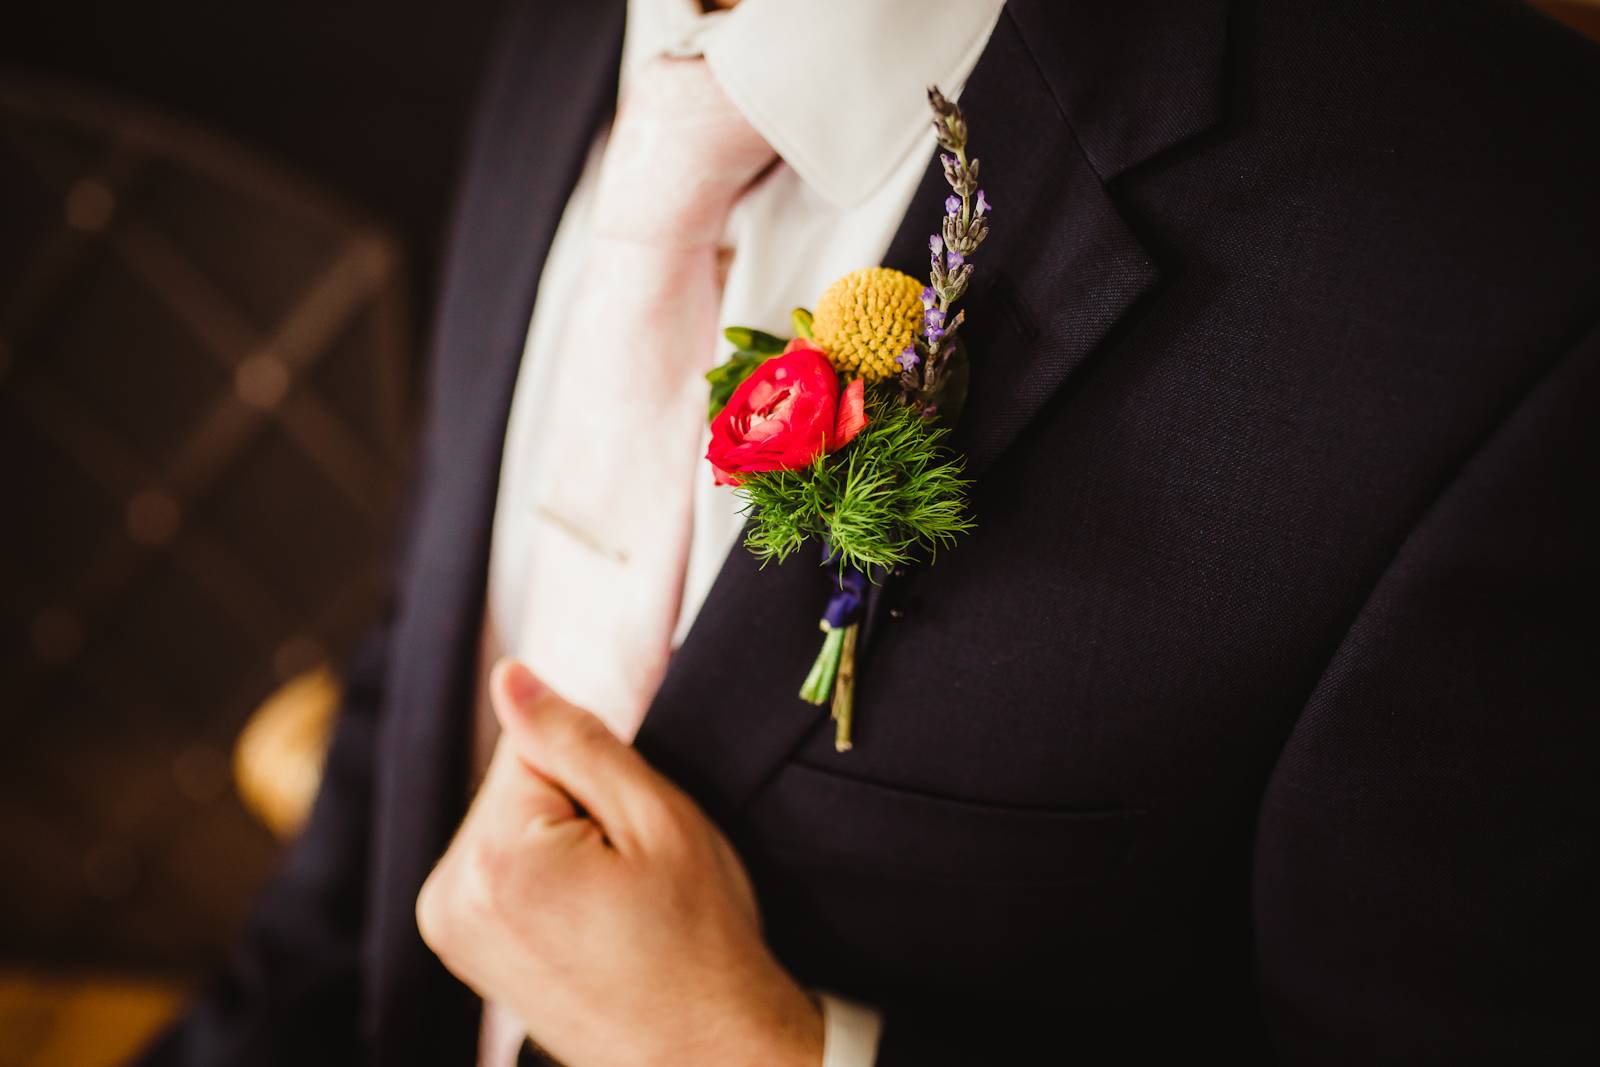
(789, 411)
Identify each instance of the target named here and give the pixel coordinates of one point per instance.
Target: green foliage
(801, 318)
(759, 341)
(893, 490)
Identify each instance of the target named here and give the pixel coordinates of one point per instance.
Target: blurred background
(219, 240)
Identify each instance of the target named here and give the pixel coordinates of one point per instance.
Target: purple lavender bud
(936, 244)
(929, 297)
(908, 359)
(983, 202)
(947, 159)
(935, 335)
(953, 259)
(933, 317)
(952, 206)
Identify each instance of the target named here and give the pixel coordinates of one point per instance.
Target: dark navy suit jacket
(1258, 717)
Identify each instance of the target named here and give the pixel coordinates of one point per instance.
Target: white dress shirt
(838, 88)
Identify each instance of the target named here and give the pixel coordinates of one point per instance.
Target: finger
(494, 842)
(577, 752)
(516, 794)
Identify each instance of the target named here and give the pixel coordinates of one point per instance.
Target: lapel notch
(1134, 77)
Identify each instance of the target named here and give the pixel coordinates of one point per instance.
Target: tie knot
(679, 156)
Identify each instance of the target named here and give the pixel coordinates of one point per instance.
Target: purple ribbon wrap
(849, 598)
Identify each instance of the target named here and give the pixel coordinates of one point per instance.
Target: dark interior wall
(140, 283)
(367, 97)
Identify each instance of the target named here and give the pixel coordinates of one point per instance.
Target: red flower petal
(779, 418)
(852, 414)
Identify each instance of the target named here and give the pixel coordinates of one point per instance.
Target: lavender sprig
(963, 229)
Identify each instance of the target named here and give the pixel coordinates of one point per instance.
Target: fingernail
(519, 682)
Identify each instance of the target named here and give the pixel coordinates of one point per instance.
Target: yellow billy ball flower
(866, 319)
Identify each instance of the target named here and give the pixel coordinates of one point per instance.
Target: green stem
(819, 683)
(844, 691)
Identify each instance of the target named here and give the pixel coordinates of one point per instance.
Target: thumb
(577, 752)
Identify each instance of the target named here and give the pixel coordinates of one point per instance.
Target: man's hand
(592, 897)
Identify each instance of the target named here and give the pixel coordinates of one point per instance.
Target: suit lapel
(554, 82)
(1060, 269)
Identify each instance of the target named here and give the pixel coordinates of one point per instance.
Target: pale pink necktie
(607, 560)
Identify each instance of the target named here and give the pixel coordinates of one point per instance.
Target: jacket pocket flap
(828, 819)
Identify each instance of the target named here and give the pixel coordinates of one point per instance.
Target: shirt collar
(836, 87)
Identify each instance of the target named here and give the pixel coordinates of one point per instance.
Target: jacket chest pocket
(899, 887)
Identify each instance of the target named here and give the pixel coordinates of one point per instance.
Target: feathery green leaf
(894, 490)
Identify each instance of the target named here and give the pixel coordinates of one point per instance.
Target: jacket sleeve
(1428, 850)
(290, 992)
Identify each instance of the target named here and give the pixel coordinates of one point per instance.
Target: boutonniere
(838, 434)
